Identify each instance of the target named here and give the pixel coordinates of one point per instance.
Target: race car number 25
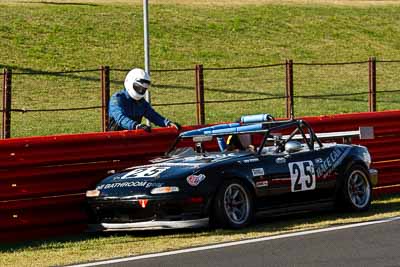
(145, 172)
(302, 175)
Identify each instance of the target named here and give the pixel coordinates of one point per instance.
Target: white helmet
(137, 81)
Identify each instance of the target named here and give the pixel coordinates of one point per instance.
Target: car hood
(142, 179)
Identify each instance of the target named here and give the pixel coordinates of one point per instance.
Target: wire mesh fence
(388, 85)
(330, 88)
(57, 102)
(173, 94)
(230, 92)
(45, 103)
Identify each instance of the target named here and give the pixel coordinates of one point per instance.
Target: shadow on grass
(271, 225)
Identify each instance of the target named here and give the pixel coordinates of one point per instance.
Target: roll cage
(301, 131)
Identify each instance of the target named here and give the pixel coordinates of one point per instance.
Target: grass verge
(104, 246)
(69, 35)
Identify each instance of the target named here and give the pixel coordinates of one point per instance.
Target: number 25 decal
(302, 175)
(144, 172)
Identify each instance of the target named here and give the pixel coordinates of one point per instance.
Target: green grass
(85, 247)
(55, 36)
(72, 35)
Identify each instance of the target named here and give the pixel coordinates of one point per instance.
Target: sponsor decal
(302, 175)
(150, 185)
(257, 172)
(263, 183)
(195, 180)
(143, 184)
(250, 160)
(280, 160)
(99, 187)
(326, 166)
(144, 172)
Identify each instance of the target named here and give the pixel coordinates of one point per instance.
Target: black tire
(233, 206)
(356, 191)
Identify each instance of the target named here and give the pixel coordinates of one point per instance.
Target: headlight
(367, 159)
(93, 193)
(164, 190)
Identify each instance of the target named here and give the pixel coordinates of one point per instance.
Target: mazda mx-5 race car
(288, 170)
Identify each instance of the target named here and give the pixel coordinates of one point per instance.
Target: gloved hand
(143, 127)
(270, 118)
(176, 125)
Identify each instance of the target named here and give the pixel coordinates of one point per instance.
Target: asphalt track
(363, 244)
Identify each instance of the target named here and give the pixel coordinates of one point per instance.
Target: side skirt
(303, 207)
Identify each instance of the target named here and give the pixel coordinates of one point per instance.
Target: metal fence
(44, 103)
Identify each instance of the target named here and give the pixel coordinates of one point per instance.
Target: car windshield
(182, 152)
(221, 144)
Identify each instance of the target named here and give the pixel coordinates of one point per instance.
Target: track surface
(368, 245)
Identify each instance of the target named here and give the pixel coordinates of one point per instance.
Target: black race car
(286, 169)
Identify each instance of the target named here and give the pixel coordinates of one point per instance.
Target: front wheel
(233, 207)
(357, 191)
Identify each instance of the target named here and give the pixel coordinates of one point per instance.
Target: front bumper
(373, 175)
(158, 212)
(150, 225)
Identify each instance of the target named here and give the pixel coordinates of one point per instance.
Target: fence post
(372, 84)
(7, 84)
(105, 96)
(200, 114)
(289, 89)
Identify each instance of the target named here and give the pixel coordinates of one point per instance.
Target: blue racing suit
(125, 113)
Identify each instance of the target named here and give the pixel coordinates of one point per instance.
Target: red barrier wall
(43, 179)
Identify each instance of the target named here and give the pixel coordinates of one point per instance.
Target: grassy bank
(70, 35)
(95, 247)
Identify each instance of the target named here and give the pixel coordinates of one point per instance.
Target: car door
(273, 188)
(307, 181)
(292, 178)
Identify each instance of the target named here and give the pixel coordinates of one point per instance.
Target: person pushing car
(127, 107)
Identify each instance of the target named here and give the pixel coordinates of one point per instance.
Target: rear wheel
(356, 192)
(233, 207)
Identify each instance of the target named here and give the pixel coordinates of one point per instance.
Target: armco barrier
(43, 179)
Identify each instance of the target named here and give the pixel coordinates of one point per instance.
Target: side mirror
(293, 146)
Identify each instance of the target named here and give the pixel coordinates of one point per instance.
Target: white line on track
(236, 243)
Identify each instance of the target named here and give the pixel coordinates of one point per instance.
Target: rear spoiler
(363, 133)
(366, 132)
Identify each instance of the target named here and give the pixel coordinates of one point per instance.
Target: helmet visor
(140, 89)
